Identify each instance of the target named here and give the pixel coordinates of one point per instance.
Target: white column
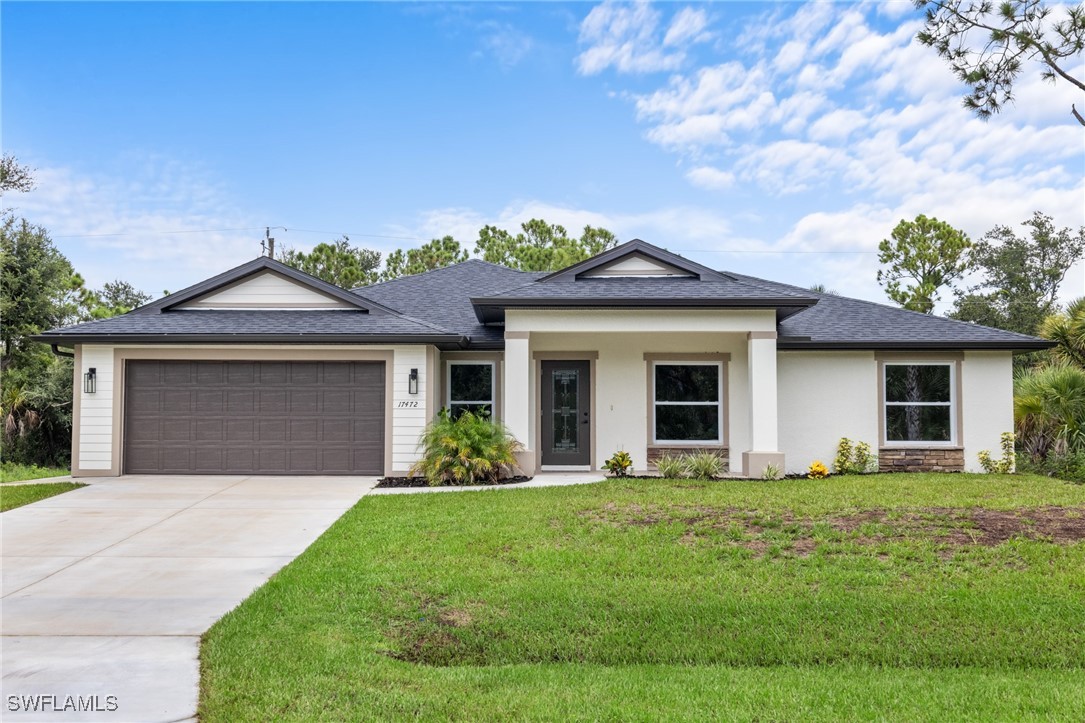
(517, 396)
(764, 428)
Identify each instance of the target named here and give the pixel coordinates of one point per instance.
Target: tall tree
(987, 44)
(541, 246)
(38, 288)
(1021, 275)
(923, 256)
(338, 262)
(437, 254)
(14, 176)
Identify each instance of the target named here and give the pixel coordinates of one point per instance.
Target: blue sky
(781, 140)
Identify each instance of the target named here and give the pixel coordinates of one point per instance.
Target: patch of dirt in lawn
(757, 531)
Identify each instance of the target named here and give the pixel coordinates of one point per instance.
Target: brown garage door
(203, 417)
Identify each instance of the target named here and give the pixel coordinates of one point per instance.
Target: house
(264, 369)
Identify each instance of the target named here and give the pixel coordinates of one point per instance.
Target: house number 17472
(402, 405)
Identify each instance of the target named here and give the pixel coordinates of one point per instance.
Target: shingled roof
(461, 306)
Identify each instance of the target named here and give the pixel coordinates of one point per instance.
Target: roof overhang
(795, 344)
(491, 310)
(454, 340)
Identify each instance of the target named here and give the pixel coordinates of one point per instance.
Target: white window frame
(718, 403)
(951, 404)
(492, 401)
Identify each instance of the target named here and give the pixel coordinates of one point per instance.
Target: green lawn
(907, 597)
(10, 472)
(14, 496)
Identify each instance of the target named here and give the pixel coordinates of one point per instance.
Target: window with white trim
(688, 402)
(470, 386)
(920, 404)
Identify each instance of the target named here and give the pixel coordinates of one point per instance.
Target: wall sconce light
(90, 381)
(412, 382)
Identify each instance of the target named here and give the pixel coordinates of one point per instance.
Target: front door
(566, 413)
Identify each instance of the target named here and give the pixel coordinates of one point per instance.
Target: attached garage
(259, 417)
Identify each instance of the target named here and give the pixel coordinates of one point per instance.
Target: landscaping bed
(423, 482)
(906, 596)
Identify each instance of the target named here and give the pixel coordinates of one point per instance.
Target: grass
(19, 495)
(11, 472)
(918, 597)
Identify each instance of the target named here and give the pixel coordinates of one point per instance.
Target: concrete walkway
(107, 589)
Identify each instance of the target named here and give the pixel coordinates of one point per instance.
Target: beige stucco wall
(828, 395)
(824, 396)
(96, 446)
(987, 390)
(621, 377)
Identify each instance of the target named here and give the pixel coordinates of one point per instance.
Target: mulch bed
(421, 482)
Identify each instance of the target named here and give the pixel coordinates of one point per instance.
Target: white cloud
(154, 220)
(687, 26)
(506, 43)
(711, 178)
(627, 38)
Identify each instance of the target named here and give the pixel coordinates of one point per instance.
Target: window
(687, 404)
(919, 403)
(471, 387)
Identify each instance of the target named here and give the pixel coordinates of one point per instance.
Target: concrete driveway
(107, 589)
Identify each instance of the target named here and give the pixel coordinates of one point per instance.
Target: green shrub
(1049, 410)
(620, 464)
(772, 471)
(470, 449)
(1069, 466)
(1006, 464)
(842, 463)
(671, 467)
(854, 459)
(703, 465)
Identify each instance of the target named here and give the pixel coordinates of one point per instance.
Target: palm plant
(1049, 409)
(470, 449)
(1068, 331)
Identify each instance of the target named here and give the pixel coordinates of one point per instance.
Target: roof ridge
(408, 277)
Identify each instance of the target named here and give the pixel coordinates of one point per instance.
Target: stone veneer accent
(654, 453)
(921, 459)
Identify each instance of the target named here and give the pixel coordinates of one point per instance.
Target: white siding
(987, 396)
(96, 410)
(408, 421)
(267, 290)
(663, 321)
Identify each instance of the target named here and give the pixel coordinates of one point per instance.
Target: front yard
(903, 597)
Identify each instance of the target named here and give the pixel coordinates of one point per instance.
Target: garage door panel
(256, 417)
(177, 429)
(240, 430)
(272, 401)
(304, 430)
(210, 430)
(207, 402)
(241, 373)
(272, 373)
(211, 374)
(240, 401)
(176, 373)
(304, 401)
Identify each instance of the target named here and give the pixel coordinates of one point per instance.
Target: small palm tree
(1049, 409)
(1068, 331)
(470, 449)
